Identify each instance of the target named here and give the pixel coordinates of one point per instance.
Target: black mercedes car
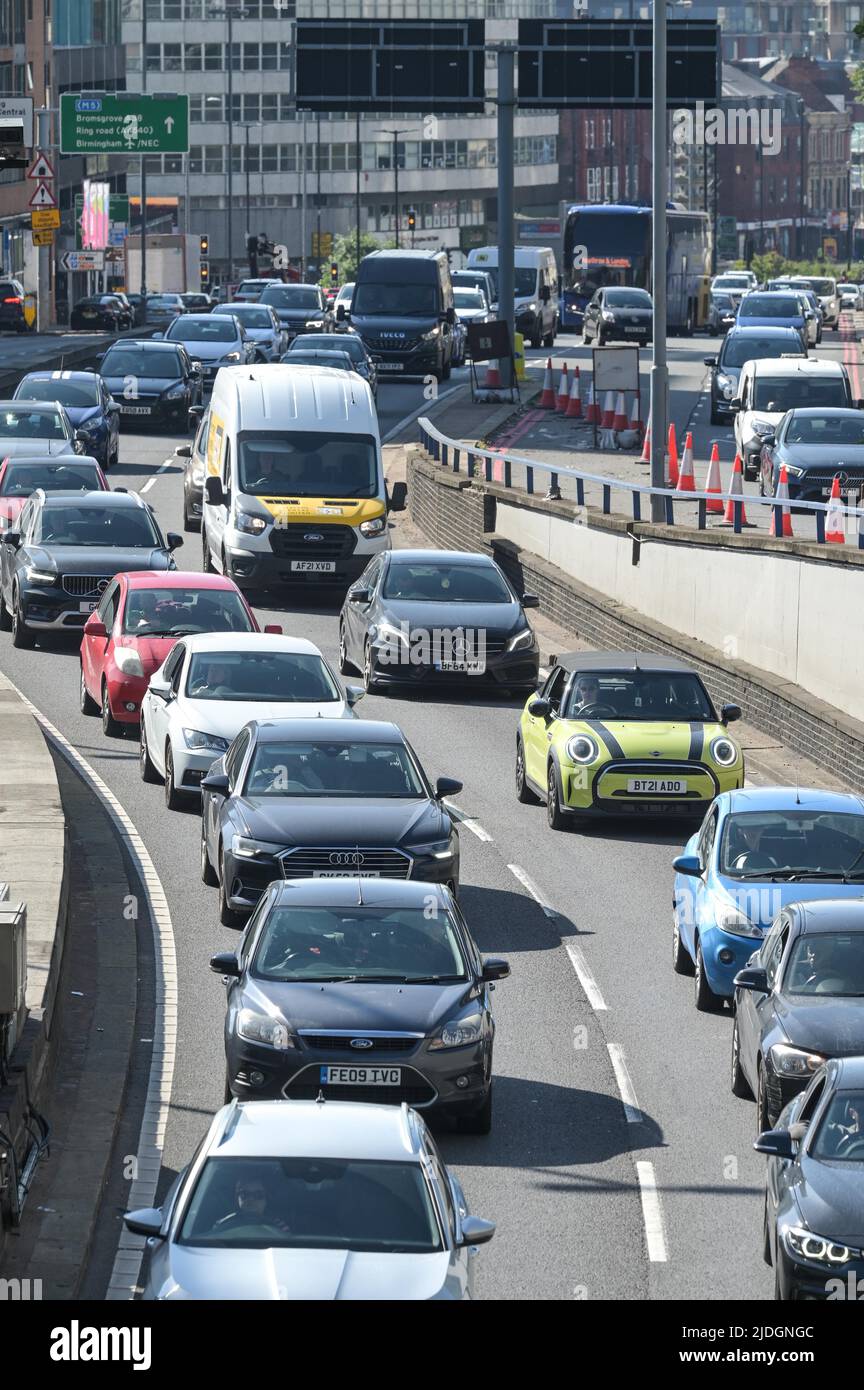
(321, 798)
(363, 990)
(816, 444)
(155, 383)
(800, 999)
(63, 553)
(813, 1226)
(416, 617)
(299, 308)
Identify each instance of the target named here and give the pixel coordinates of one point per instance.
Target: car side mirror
(530, 601)
(688, 864)
(175, 540)
(12, 538)
(360, 595)
(183, 451)
(160, 688)
(729, 713)
(777, 1142)
(341, 313)
(147, 1221)
(710, 361)
(214, 492)
(768, 441)
(353, 693)
(752, 978)
(476, 1231)
(158, 335)
(540, 708)
(447, 786)
(495, 968)
(735, 404)
(450, 315)
(94, 627)
(274, 628)
(225, 963)
(398, 497)
(216, 782)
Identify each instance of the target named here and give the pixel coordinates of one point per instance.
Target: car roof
(345, 892)
(31, 407)
(302, 392)
(55, 460)
(841, 411)
(59, 376)
(178, 579)
(457, 558)
(329, 730)
(316, 1129)
(198, 318)
(620, 661)
(809, 366)
(249, 641)
(848, 1072)
(788, 798)
(743, 330)
(159, 344)
(112, 500)
(829, 915)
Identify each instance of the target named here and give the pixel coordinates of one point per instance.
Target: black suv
(12, 306)
(65, 549)
(299, 308)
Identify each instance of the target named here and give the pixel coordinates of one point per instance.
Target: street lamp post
(405, 130)
(229, 13)
(659, 368)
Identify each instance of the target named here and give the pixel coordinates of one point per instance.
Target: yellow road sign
(43, 238)
(43, 218)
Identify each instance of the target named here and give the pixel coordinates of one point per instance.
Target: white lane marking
(151, 1139)
(632, 1113)
(469, 822)
(651, 1214)
(161, 469)
(413, 414)
(528, 882)
(590, 987)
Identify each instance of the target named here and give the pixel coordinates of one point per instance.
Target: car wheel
(446, 370)
(345, 665)
(145, 766)
(86, 703)
(111, 727)
(523, 791)
(208, 873)
(173, 798)
(5, 615)
(716, 418)
(536, 339)
(706, 1000)
(227, 916)
(682, 962)
(368, 670)
(740, 1085)
(190, 523)
(227, 1096)
(21, 635)
(766, 1235)
(549, 340)
(480, 1122)
(764, 1119)
(554, 815)
(206, 558)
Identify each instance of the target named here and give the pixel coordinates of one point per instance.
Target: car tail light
(12, 299)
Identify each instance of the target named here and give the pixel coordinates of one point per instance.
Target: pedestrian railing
(480, 463)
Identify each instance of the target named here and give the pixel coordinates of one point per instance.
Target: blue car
(88, 403)
(756, 850)
(773, 309)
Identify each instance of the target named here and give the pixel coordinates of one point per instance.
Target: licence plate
(313, 566)
(844, 492)
(467, 668)
(360, 1076)
(135, 410)
(390, 366)
(662, 786)
(634, 330)
(88, 607)
(346, 873)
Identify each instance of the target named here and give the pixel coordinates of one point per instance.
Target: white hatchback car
(213, 683)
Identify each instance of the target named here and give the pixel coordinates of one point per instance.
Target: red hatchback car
(140, 617)
(62, 473)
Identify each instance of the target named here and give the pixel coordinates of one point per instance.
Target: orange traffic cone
(493, 376)
(563, 391)
(608, 420)
(646, 444)
(547, 399)
(686, 478)
(714, 483)
(592, 414)
(673, 458)
(736, 487)
(835, 517)
(574, 405)
(782, 495)
(619, 422)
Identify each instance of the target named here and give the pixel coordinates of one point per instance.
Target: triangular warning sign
(43, 197)
(41, 168)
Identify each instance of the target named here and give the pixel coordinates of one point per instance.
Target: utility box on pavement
(13, 967)
(519, 355)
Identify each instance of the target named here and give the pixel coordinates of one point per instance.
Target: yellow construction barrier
(29, 309)
(519, 356)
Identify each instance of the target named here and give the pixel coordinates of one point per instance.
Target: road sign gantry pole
(506, 274)
(659, 368)
(43, 295)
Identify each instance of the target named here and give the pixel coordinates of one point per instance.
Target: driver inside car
(586, 692)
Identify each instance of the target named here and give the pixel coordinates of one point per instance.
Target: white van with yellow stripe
(294, 487)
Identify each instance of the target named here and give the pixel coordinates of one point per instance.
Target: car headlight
(37, 576)
(432, 334)
(203, 742)
(391, 633)
(259, 1028)
(252, 525)
(520, 640)
(725, 383)
(729, 918)
(245, 848)
(314, 323)
(232, 357)
(724, 751)
(761, 427)
(177, 392)
(459, 1032)
(582, 749)
(127, 660)
(441, 849)
(607, 316)
(795, 470)
(820, 1250)
(375, 527)
(794, 1062)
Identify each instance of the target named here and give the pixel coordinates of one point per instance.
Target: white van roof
(278, 394)
(523, 255)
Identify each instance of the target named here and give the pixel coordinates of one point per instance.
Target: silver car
(164, 308)
(212, 341)
(261, 326)
(363, 1186)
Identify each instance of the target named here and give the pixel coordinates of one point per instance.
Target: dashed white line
(651, 1214)
(469, 822)
(632, 1113)
(590, 987)
(161, 469)
(527, 882)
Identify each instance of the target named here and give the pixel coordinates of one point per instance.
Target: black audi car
(813, 1228)
(299, 308)
(65, 548)
(800, 999)
(416, 617)
(363, 990)
(154, 383)
(312, 798)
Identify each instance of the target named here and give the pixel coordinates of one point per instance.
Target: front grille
(338, 1042)
(85, 585)
(383, 863)
(378, 344)
(287, 541)
(817, 477)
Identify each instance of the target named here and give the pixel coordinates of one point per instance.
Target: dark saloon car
(153, 383)
(743, 345)
(349, 342)
(813, 1229)
(88, 403)
(363, 990)
(815, 445)
(722, 312)
(799, 1001)
(58, 562)
(417, 617)
(619, 313)
(99, 312)
(12, 297)
(299, 308)
(321, 798)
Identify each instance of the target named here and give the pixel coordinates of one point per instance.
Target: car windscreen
(720, 300)
(468, 299)
(275, 677)
(212, 329)
(327, 342)
(340, 769)
(291, 297)
(739, 349)
(828, 430)
(251, 316)
(163, 301)
(129, 361)
(779, 394)
(841, 1133)
(74, 393)
(319, 359)
(405, 944)
(826, 963)
(628, 299)
(442, 583)
(354, 1204)
(795, 843)
(759, 306)
(24, 424)
(308, 463)
(638, 695)
(823, 287)
(396, 299)
(173, 612)
(731, 282)
(129, 527)
(19, 480)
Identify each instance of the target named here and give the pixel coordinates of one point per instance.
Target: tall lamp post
(229, 13)
(404, 130)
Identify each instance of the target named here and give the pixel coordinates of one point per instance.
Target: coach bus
(612, 246)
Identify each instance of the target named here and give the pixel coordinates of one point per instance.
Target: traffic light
(204, 247)
(334, 273)
(204, 268)
(412, 219)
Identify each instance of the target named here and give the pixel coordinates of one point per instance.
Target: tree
(767, 266)
(345, 254)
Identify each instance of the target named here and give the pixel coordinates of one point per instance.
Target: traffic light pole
(506, 274)
(659, 368)
(144, 170)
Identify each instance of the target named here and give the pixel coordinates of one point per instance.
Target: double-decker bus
(612, 246)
